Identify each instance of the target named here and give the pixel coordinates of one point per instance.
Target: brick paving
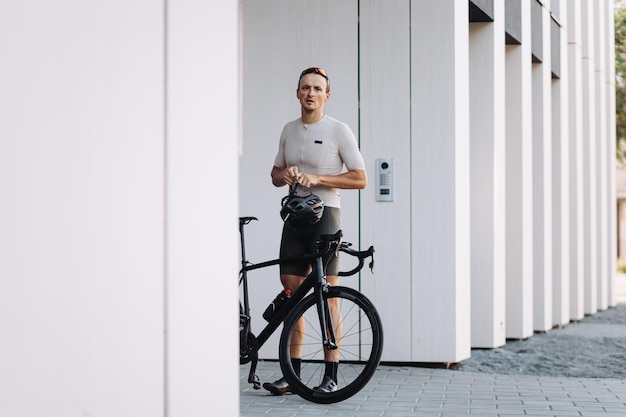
(410, 391)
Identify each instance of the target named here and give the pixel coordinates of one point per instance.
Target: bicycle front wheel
(359, 335)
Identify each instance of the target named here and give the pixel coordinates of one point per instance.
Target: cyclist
(320, 154)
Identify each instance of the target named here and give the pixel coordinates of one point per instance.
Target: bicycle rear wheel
(359, 336)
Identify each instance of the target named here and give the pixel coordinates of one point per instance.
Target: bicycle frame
(316, 281)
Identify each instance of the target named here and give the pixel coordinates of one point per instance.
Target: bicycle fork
(326, 319)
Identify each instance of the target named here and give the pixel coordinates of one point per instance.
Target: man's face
(312, 92)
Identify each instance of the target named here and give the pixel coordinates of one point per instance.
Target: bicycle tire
(360, 349)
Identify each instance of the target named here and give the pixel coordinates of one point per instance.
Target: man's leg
(279, 387)
(292, 282)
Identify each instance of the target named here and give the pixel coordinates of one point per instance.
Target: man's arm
(353, 179)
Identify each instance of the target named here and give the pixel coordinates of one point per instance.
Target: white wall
(377, 74)
(99, 257)
(386, 133)
(275, 50)
(405, 80)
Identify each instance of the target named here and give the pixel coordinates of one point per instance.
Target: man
(320, 154)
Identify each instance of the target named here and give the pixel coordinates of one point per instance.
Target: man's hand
(291, 175)
(308, 180)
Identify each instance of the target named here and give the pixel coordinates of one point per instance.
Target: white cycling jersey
(327, 147)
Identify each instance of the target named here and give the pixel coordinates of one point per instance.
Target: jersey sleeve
(279, 160)
(349, 150)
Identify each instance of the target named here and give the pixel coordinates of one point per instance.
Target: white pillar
(609, 34)
(487, 179)
(81, 241)
(560, 175)
(542, 175)
(440, 175)
(201, 236)
(590, 237)
(576, 205)
(601, 152)
(111, 115)
(519, 230)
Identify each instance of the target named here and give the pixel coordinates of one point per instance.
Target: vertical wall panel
(601, 152)
(542, 176)
(201, 208)
(560, 178)
(385, 133)
(576, 205)
(487, 179)
(589, 161)
(519, 196)
(609, 34)
(440, 180)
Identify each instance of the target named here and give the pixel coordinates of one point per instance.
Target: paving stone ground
(577, 370)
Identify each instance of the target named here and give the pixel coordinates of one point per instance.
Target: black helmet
(301, 210)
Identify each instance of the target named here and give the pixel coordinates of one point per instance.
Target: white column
(201, 234)
(560, 180)
(601, 152)
(487, 179)
(609, 34)
(81, 180)
(542, 180)
(440, 180)
(590, 236)
(576, 205)
(519, 212)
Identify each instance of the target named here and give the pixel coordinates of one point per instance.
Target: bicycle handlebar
(325, 246)
(345, 247)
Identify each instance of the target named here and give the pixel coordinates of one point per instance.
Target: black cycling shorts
(301, 240)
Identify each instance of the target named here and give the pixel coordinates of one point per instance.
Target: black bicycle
(329, 320)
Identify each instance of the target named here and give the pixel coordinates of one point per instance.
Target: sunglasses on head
(314, 70)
